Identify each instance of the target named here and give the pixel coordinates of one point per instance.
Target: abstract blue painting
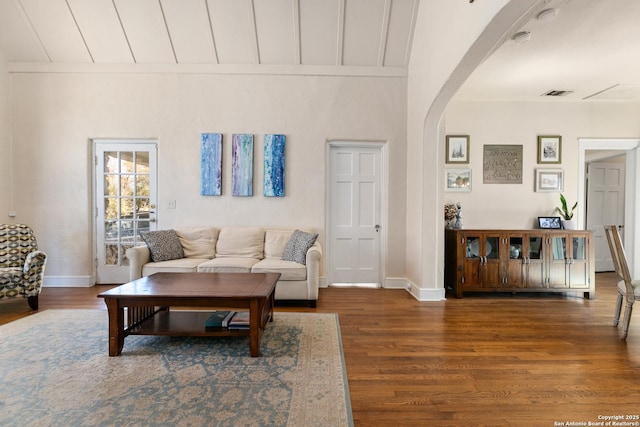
(211, 164)
(274, 146)
(242, 165)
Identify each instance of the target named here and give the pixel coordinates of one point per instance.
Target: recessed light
(521, 37)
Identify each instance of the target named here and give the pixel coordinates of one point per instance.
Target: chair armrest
(314, 255)
(33, 271)
(138, 257)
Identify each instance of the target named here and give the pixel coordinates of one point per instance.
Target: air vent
(558, 93)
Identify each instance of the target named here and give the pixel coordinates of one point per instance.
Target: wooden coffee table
(148, 300)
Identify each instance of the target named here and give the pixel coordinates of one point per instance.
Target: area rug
(55, 370)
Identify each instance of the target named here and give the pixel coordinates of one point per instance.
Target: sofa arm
(33, 272)
(314, 254)
(138, 256)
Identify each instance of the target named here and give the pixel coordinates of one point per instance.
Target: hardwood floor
(485, 360)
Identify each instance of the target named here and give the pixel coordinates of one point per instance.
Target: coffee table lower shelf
(179, 323)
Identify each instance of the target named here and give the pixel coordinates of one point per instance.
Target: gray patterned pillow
(298, 245)
(164, 245)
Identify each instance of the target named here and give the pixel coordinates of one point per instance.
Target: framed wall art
(549, 180)
(242, 165)
(457, 149)
(457, 180)
(502, 164)
(549, 149)
(211, 164)
(274, 156)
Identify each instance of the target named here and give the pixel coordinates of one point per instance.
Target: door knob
(377, 228)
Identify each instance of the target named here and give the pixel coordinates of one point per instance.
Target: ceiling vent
(557, 93)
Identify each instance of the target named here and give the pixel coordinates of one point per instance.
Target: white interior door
(354, 217)
(125, 202)
(605, 206)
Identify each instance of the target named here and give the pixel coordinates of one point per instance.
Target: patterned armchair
(21, 264)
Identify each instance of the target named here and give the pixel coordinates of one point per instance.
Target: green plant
(564, 210)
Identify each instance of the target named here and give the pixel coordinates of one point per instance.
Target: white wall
(450, 41)
(5, 142)
(488, 123)
(55, 115)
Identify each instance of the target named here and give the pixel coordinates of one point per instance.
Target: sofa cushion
(298, 245)
(198, 242)
(240, 242)
(164, 245)
(289, 270)
(184, 265)
(275, 242)
(228, 265)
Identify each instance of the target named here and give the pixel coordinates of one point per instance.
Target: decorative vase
(568, 224)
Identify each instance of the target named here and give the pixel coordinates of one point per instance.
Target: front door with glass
(125, 205)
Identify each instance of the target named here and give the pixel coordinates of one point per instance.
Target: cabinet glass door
(579, 265)
(515, 264)
(534, 253)
(558, 264)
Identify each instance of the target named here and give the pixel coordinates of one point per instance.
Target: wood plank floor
(485, 360)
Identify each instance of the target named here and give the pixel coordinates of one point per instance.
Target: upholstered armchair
(21, 264)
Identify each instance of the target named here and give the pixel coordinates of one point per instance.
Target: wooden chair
(628, 289)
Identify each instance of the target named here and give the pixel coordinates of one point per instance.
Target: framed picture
(457, 149)
(457, 180)
(550, 222)
(549, 149)
(549, 180)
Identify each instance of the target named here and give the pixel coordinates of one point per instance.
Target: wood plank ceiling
(372, 36)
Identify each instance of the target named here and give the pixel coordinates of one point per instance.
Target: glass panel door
(125, 203)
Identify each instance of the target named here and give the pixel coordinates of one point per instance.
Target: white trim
(252, 69)
(68, 281)
(397, 283)
(632, 184)
(425, 294)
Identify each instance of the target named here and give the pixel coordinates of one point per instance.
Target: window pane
(126, 208)
(111, 208)
(111, 162)
(127, 183)
(142, 162)
(111, 254)
(126, 162)
(111, 185)
(142, 185)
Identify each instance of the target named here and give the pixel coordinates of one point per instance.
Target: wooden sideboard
(519, 261)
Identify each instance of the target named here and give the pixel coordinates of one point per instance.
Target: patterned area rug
(55, 370)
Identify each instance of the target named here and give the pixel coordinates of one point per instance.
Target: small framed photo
(549, 222)
(549, 149)
(549, 180)
(457, 180)
(457, 149)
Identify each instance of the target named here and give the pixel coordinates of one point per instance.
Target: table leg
(116, 326)
(255, 321)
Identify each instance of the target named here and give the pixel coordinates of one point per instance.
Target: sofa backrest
(198, 242)
(240, 242)
(16, 242)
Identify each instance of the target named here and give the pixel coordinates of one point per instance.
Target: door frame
(94, 206)
(384, 198)
(632, 148)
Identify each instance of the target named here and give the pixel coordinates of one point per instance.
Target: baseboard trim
(68, 281)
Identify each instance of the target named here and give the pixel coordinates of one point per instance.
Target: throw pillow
(298, 245)
(164, 245)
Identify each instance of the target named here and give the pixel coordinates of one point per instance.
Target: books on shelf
(228, 319)
(219, 319)
(240, 320)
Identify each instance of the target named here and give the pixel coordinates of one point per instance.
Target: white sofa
(238, 250)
